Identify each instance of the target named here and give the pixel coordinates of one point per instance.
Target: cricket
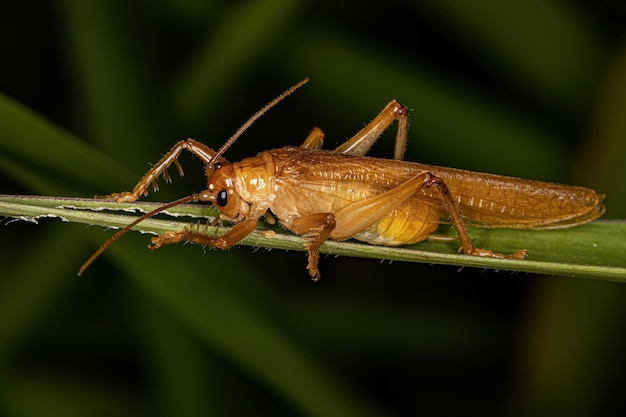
(343, 194)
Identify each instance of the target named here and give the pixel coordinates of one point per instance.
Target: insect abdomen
(407, 224)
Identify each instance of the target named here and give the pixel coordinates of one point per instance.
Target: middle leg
(234, 235)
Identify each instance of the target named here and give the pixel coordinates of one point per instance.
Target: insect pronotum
(343, 194)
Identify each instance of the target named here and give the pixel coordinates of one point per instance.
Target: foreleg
(160, 168)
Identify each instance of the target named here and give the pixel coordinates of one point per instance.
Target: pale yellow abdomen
(403, 226)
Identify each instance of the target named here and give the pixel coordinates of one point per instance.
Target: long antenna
(138, 220)
(255, 116)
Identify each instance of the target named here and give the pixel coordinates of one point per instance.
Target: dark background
(535, 89)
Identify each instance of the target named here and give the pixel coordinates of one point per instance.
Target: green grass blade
(591, 251)
(48, 158)
(228, 52)
(113, 76)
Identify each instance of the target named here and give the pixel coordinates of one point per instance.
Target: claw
(485, 253)
(168, 238)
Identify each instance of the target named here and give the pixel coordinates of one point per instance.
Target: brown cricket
(343, 194)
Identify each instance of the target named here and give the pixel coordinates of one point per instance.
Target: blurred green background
(92, 92)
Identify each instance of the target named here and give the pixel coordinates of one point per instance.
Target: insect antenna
(139, 219)
(254, 118)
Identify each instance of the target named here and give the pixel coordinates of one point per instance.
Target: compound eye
(222, 198)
